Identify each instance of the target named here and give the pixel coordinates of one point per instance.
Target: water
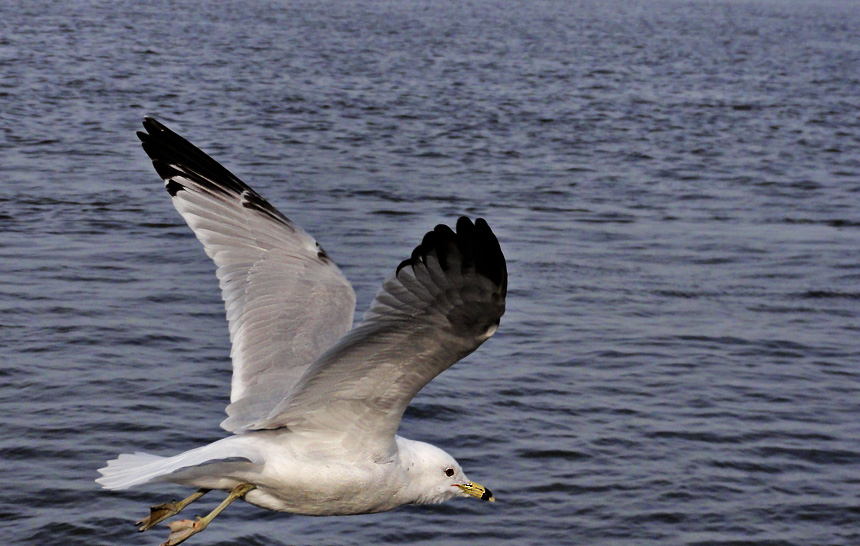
(676, 186)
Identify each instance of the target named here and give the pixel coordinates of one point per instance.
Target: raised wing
(438, 307)
(286, 301)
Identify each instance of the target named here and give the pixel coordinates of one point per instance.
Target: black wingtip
(172, 155)
(489, 259)
(153, 125)
(476, 245)
(179, 162)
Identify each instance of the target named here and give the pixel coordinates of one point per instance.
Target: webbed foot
(157, 513)
(161, 512)
(182, 530)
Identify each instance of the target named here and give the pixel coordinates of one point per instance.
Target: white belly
(322, 489)
(310, 478)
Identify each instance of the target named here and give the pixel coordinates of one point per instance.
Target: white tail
(130, 469)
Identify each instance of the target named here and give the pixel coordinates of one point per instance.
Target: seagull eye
(449, 472)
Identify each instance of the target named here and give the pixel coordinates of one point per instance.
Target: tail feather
(131, 469)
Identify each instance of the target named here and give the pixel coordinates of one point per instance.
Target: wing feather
(439, 306)
(286, 301)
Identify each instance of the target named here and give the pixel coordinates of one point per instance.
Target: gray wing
(438, 307)
(286, 301)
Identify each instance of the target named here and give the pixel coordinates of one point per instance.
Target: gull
(315, 403)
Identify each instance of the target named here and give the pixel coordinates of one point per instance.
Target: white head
(434, 476)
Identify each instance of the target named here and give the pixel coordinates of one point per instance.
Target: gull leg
(181, 530)
(161, 512)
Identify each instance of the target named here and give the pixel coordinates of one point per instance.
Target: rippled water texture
(676, 186)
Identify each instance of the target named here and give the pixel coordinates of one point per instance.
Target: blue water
(676, 186)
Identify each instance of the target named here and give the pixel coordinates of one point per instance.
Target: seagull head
(437, 476)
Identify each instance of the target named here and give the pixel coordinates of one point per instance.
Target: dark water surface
(676, 186)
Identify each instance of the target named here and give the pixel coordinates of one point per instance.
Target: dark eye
(449, 472)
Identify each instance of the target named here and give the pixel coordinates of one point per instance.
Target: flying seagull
(315, 403)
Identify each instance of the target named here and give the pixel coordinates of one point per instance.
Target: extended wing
(438, 307)
(286, 300)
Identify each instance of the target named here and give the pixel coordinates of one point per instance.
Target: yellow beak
(476, 490)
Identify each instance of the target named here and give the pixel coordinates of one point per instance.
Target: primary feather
(286, 300)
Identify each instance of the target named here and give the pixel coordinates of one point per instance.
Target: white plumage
(315, 405)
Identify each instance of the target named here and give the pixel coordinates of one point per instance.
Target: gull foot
(182, 530)
(161, 512)
(157, 514)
